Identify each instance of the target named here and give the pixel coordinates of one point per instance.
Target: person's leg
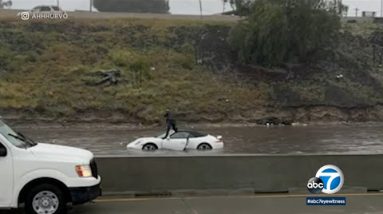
(174, 127)
(167, 131)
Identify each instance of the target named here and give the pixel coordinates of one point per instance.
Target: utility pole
(356, 12)
(90, 5)
(200, 7)
(381, 8)
(58, 3)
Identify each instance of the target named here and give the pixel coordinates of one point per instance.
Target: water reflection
(345, 139)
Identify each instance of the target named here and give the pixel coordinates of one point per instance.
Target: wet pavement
(111, 140)
(240, 204)
(358, 204)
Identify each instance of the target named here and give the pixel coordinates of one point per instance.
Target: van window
(2, 147)
(6, 131)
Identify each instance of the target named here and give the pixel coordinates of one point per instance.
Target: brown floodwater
(313, 139)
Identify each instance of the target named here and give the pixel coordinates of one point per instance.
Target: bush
(276, 31)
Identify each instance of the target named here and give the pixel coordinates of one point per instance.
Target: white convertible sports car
(181, 140)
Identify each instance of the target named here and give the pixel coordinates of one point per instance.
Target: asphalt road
(362, 203)
(356, 203)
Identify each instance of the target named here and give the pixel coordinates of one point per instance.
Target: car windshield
(13, 137)
(163, 134)
(191, 134)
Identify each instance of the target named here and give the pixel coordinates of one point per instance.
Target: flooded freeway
(111, 140)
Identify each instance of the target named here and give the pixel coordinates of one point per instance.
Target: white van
(44, 178)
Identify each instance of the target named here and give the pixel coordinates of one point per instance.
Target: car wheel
(149, 147)
(204, 147)
(45, 199)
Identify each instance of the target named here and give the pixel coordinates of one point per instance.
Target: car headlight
(83, 171)
(138, 142)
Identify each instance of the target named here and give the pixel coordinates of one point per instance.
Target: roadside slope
(48, 71)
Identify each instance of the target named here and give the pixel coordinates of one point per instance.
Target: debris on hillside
(273, 121)
(105, 77)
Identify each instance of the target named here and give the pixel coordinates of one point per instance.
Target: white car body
(25, 165)
(179, 141)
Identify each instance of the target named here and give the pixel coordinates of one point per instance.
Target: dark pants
(170, 125)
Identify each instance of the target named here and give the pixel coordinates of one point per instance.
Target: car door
(193, 142)
(176, 141)
(6, 178)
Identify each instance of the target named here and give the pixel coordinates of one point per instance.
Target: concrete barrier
(257, 173)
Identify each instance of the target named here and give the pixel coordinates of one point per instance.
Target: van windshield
(12, 136)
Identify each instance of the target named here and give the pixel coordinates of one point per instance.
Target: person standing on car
(170, 123)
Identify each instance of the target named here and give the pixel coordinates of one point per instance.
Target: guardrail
(255, 173)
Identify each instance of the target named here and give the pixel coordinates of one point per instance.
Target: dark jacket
(169, 117)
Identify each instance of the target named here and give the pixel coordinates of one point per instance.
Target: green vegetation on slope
(44, 67)
(278, 31)
(183, 65)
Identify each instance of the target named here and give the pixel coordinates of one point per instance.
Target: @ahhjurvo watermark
(25, 16)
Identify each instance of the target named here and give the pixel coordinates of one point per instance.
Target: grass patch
(44, 68)
(47, 64)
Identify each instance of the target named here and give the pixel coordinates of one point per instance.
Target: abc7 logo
(24, 16)
(329, 179)
(315, 185)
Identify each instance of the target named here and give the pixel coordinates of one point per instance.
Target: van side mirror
(3, 151)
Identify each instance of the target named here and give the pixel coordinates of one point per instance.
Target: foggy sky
(186, 6)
